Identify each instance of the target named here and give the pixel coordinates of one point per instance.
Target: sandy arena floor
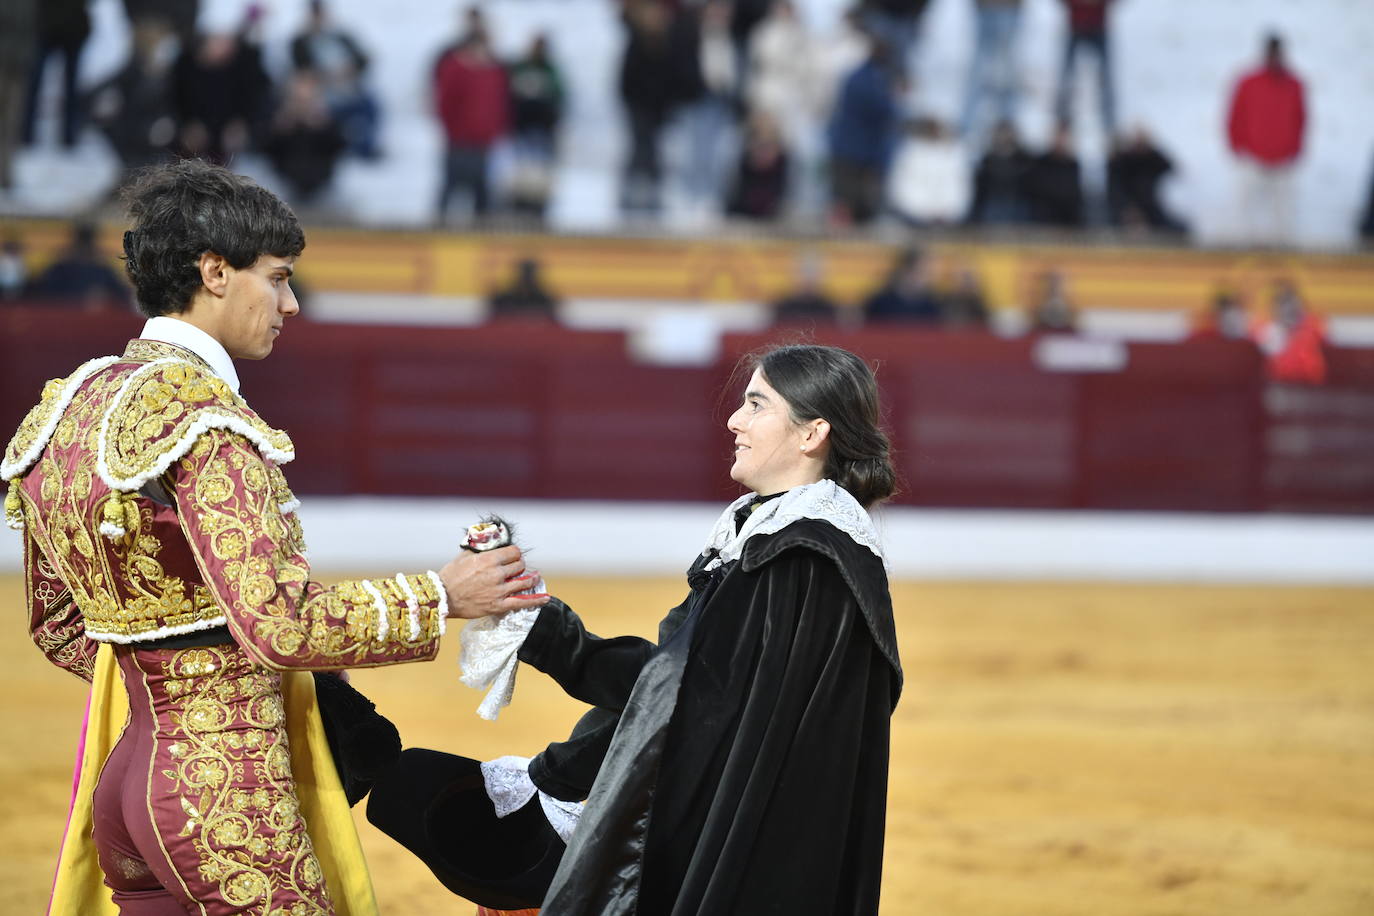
(1061, 750)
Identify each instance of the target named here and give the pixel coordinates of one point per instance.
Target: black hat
(436, 805)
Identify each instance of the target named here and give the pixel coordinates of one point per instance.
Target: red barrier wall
(534, 411)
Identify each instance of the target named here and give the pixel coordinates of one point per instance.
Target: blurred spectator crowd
(774, 121)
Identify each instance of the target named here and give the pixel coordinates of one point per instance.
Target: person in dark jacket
(1000, 182)
(908, 295)
(863, 133)
(80, 277)
(305, 141)
(537, 100)
(1053, 186)
(760, 187)
(1134, 172)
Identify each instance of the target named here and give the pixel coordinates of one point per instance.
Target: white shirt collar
(186, 335)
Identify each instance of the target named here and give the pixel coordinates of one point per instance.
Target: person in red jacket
(473, 103)
(1265, 127)
(1292, 339)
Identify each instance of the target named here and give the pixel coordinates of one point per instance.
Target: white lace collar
(824, 501)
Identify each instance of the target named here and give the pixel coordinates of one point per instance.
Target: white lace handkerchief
(509, 787)
(488, 656)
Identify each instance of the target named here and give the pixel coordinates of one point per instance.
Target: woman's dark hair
(835, 385)
(184, 209)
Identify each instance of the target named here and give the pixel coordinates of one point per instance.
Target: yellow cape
(79, 888)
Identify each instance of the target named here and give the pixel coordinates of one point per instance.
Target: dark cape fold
(748, 772)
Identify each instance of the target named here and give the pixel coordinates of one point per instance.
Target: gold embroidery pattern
(222, 753)
(163, 404)
(253, 554)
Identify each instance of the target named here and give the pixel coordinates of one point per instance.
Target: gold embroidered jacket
(152, 503)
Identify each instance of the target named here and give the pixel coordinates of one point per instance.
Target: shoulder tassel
(14, 507)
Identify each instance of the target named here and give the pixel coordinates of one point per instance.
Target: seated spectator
(908, 295)
(760, 187)
(525, 297)
(964, 305)
(536, 95)
(81, 276)
(808, 301)
(13, 272)
(305, 142)
(999, 184)
(1226, 319)
(1052, 311)
(1053, 185)
(1134, 171)
(929, 183)
(1292, 339)
(336, 59)
(134, 106)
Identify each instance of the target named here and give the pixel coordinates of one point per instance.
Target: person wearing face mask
(162, 549)
(740, 764)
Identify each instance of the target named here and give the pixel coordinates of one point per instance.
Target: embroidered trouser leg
(197, 801)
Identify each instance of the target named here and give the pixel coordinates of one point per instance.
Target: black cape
(741, 765)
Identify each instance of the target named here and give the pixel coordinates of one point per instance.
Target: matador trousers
(196, 810)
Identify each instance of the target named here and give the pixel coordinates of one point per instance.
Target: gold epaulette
(37, 428)
(157, 415)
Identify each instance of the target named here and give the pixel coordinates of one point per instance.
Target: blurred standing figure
(14, 273)
(1088, 32)
(1265, 127)
(993, 74)
(709, 114)
(536, 91)
(339, 63)
(134, 106)
(473, 102)
(863, 135)
(650, 77)
(63, 27)
(781, 71)
(18, 31)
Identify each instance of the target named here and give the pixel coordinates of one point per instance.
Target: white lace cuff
(510, 788)
(488, 656)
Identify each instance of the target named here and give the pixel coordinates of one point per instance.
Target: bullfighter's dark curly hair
(184, 209)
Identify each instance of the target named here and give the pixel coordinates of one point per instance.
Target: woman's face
(772, 453)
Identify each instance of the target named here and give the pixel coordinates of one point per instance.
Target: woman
(739, 766)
